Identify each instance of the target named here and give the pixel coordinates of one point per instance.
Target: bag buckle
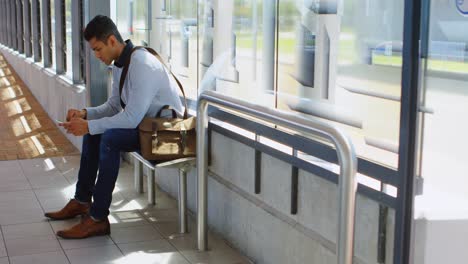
(154, 137)
(183, 136)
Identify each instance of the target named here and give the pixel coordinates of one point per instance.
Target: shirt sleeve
(111, 106)
(143, 78)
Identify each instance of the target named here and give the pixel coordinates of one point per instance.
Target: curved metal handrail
(346, 157)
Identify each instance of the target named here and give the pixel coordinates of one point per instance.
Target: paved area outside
(26, 130)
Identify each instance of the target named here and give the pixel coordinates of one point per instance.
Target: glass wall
(181, 32)
(341, 64)
(244, 50)
(440, 211)
(132, 20)
(368, 75)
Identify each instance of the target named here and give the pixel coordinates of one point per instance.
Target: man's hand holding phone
(76, 113)
(76, 123)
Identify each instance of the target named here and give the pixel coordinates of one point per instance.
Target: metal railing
(346, 157)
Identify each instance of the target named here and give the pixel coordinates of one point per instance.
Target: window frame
(27, 28)
(46, 33)
(60, 52)
(36, 30)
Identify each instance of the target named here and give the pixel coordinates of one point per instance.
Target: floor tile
(127, 219)
(216, 257)
(57, 257)
(55, 193)
(64, 224)
(134, 234)
(129, 205)
(171, 229)
(17, 184)
(10, 171)
(67, 163)
(14, 196)
(71, 175)
(86, 242)
(161, 215)
(22, 217)
(4, 260)
(55, 198)
(189, 243)
(27, 230)
(163, 201)
(19, 206)
(9, 164)
(32, 245)
(102, 254)
(50, 205)
(152, 246)
(49, 181)
(153, 258)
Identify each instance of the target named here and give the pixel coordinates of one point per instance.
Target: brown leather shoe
(86, 228)
(72, 209)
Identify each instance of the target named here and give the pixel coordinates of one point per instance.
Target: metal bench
(183, 164)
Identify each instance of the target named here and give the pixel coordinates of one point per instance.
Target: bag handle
(154, 53)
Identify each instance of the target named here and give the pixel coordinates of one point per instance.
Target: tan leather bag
(164, 139)
(161, 138)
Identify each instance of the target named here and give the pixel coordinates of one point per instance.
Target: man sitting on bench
(111, 127)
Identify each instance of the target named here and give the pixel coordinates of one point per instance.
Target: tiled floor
(26, 130)
(139, 233)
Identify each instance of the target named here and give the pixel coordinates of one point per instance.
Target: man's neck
(120, 48)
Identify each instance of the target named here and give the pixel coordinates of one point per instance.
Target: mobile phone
(59, 122)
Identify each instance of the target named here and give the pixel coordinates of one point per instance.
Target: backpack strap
(154, 53)
(123, 76)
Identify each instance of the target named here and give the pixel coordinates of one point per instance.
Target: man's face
(103, 51)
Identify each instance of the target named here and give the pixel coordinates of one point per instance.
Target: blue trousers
(102, 152)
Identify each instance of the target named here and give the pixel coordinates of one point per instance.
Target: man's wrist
(87, 127)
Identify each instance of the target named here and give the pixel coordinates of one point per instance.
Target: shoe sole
(104, 233)
(63, 218)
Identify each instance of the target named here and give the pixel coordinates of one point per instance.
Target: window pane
(444, 79)
(368, 83)
(140, 22)
(181, 31)
(344, 70)
(132, 20)
(243, 50)
(123, 18)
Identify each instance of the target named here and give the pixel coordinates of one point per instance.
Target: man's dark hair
(101, 27)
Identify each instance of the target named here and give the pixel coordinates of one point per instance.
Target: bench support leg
(152, 187)
(182, 201)
(138, 175)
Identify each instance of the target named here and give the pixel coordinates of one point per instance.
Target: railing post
(202, 171)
